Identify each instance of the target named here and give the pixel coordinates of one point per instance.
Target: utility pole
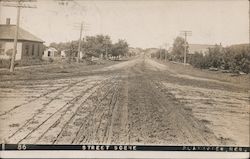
(166, 51)
(107, 45)
(185, 33)
(160, 53)
(106, 51)
(79, 44)
(12, 64)
(80, 26)
(19, 5)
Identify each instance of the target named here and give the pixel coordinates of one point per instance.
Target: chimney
(8, 21)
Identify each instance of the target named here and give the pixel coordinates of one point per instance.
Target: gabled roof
(51, 49)
(7, 32)
(199, 47)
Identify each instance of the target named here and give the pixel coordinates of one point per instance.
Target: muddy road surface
(135, 102)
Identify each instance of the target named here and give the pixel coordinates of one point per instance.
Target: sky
(142, 23)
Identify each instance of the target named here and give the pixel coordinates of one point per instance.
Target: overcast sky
(149, 23)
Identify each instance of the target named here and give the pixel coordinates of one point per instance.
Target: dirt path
(134, 102)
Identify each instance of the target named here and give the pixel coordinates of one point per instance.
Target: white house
(81, 55)
(49, 53)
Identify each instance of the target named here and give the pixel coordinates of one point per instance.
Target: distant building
(152, 50)
(49, 52)
(199, 48)
(29, 46)
(63, 53)
(81, 55)
(93, 58)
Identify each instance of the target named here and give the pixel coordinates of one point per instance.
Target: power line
(78, 25)
(82, 7)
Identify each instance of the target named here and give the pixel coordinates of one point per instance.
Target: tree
(178, 48)
(235, 58)
(71, 50)
(60, 46)
(97, 45)
(239, 59)
(198, 60)
(214, 56)
(120, 48)
(9, 52)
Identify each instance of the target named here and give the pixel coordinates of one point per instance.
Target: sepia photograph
(120, 74)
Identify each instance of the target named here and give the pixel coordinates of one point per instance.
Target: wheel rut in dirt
(131, 104)
(157, 117)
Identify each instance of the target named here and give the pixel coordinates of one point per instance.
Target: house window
(26, 50)
(49, 53)
(38, 50)
(1, 48)
(33, 49)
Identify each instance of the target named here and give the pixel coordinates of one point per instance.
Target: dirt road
(134, 102)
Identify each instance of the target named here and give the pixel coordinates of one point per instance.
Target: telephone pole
(80, 26)
(12, 64)
(185, 33)
(18, 5)
(79, 44)
(160, 52)
(166, 46)
(106, 51)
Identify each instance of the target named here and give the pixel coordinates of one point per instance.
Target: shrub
(4, 63)
(234, 58)
(198, 60)
(51, 60)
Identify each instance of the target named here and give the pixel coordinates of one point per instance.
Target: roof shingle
(7, 32)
